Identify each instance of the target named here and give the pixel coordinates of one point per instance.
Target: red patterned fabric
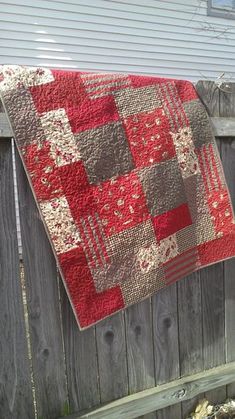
(127, 178)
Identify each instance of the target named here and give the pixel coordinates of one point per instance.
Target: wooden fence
(49, 369)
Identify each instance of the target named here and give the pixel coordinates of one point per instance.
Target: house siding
(171, 38)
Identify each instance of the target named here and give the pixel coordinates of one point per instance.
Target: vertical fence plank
(190, 331)
(213, 323)
(212, 277)
(151, 415)
(227, 108)
(16, 400)
(228, 154)
(140, 356)
(166, 346)
(81, 360)
(43, 306)
(139, 337)
(112, 362)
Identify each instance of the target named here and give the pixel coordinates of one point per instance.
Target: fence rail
(50, 369)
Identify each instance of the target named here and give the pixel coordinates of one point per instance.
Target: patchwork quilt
(127, 179)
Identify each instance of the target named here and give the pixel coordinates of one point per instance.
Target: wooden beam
(162, 396)
(222, 127)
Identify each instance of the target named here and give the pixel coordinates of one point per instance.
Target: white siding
(172, 38)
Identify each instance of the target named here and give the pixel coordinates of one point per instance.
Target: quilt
(127, 178)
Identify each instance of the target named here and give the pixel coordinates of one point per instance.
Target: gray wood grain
(139, 336)
(162, 395)
(212, 278)
(190, 331)
(209, 94)
(112, 361)
(81, 359)
(151, 415)
(227, 109)
(213, 322)
(166, 345)
(223, 127)
(16, 399)
(43, 305)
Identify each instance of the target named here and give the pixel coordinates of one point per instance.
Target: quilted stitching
(127, 177)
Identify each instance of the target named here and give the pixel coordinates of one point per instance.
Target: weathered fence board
(228, 156)
(81, 360)
(222, 126)
(139, 339)
(166, 348)
(43, 306)
(112, 359)
(227, 108)
(163, 395)
(212, 280)
(190, 338)
(16, 399)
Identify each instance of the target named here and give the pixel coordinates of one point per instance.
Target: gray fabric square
(105, 152)
(199, 123)
(122, 249)
(26, 123)
(163, 186)
(196, 196)
(132, 101)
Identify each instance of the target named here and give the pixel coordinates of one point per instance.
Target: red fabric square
(171, 221)
(117, 208)
(217, 250)
(121, 204)
(92, 113)
(65, 91)
(149, 137)
(221, 211)
(89, 306)
(79, 194)
(43, 172)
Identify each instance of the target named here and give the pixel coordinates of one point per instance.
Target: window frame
(219, 12)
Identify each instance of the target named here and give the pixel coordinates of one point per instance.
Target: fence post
(16, 399)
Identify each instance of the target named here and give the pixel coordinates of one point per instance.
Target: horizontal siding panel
(156, 63)
(110, 49)
(159, 61)
(163, 38)
(113, 6)
(163, 32)
(124, 17)
(150, 7)
(110, 67)
(16, 31)
(16, 39)
(168, 24)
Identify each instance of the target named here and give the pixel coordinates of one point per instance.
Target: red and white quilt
(127, 179)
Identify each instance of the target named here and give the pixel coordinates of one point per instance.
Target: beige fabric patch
(62, 228)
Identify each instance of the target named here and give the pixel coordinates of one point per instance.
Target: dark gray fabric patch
(105, 152)
(23, 115)
(199, 123)
(163, 186)
(195, 192)
(132, 101)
